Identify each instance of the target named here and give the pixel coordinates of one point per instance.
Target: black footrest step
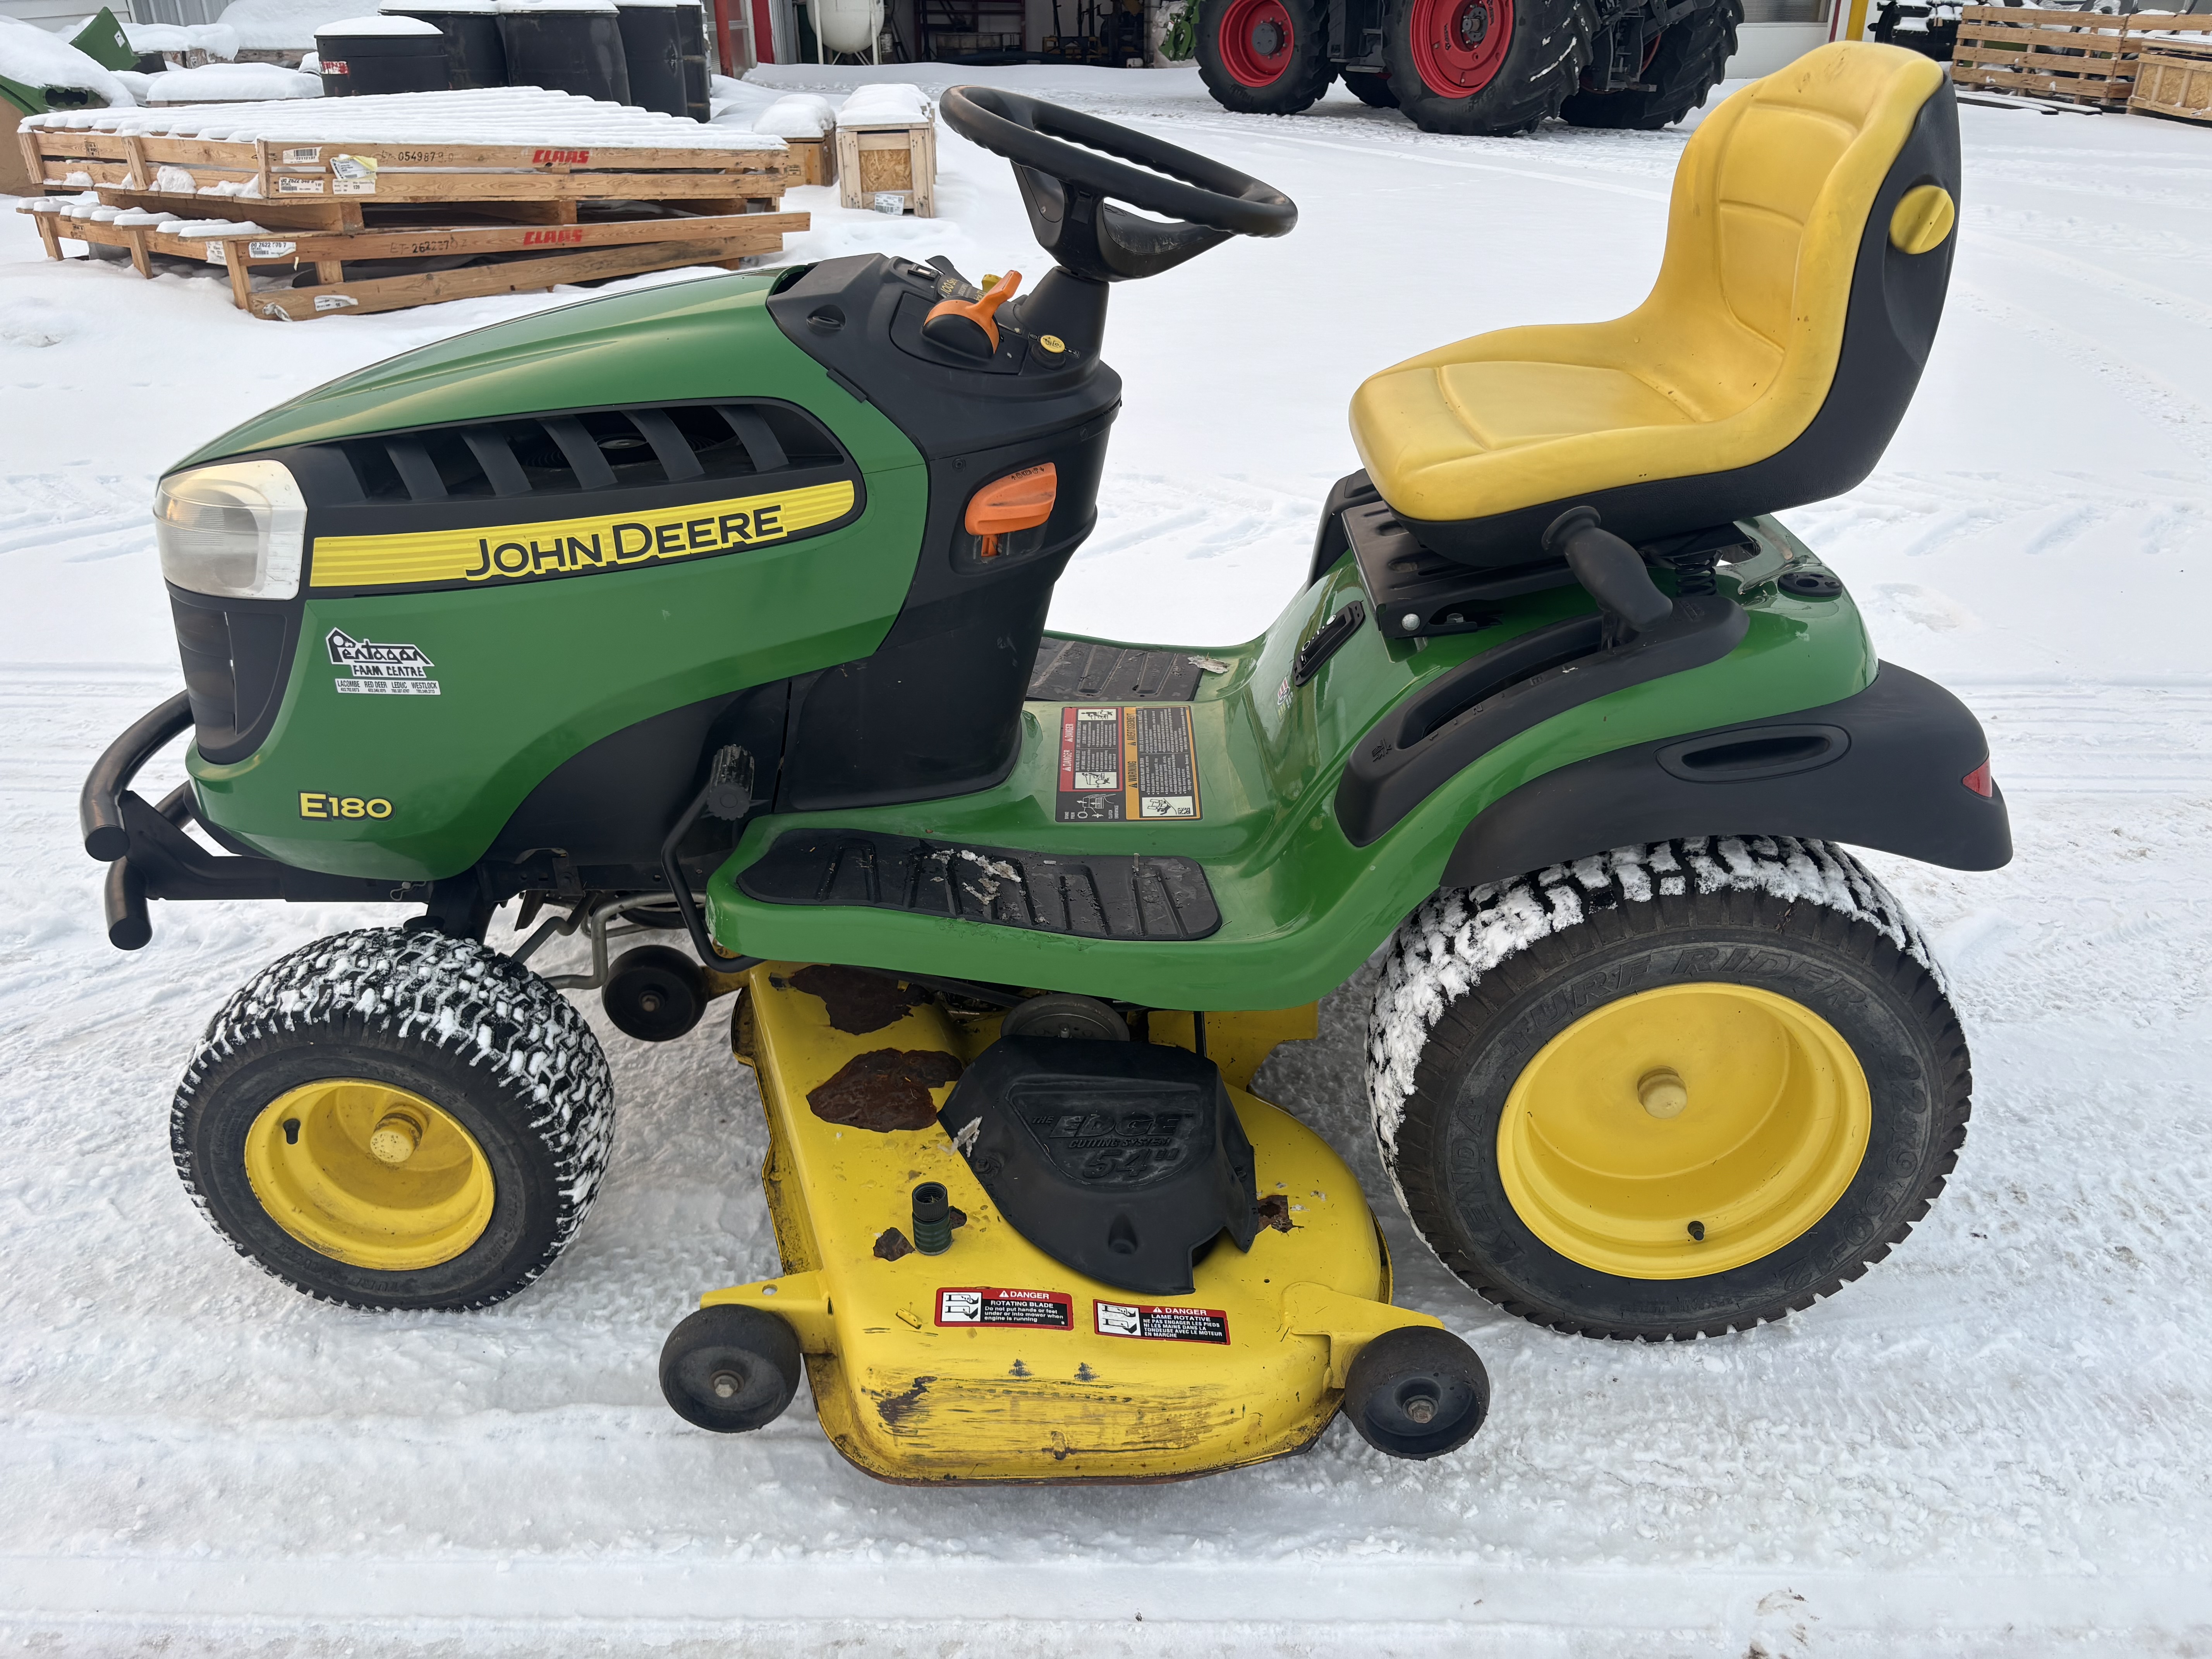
(1116, 895)
(1076, 669)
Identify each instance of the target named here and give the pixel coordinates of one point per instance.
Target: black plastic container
(698, 59)
(565, 45)
(652, 48)
(362, 56)
(475, 55)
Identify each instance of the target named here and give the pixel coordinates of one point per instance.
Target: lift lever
(1611, 572)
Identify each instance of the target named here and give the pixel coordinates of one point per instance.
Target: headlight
(235, 530)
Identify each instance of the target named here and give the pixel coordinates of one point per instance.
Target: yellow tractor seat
(1808, 247)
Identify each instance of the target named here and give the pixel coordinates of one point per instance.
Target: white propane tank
(847, 28)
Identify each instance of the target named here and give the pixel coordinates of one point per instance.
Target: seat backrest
(1770, 218)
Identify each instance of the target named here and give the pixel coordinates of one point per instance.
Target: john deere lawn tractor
(715, 614)
(1489, 67)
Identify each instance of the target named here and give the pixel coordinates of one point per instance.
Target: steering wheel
(1066, 186)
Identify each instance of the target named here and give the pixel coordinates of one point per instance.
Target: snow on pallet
(2088, 57)
(535, 187)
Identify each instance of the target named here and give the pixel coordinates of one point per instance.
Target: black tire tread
(1692, 58)
(1298, 88)
(453, 997)
(1854, 913)
(1498, 111)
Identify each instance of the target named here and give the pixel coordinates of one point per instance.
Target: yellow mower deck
(1249, 1366)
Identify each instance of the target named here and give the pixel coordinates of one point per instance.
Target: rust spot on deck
(859, 1001)
(1275, 1211)
(892, 1245)
(885, 1089)
(896, 1408)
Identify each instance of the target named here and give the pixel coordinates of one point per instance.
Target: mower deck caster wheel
(654, 993)
(730, 1369)
(1416, 1392)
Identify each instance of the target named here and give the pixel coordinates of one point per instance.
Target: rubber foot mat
(1099, 896)
(1078, 669)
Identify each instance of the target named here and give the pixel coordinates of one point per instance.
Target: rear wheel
(1668, 1091)
(1685, 64)
(1264, 57)
(1485, 67)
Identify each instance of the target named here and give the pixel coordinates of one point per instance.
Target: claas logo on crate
(561, 158)
(556, 238)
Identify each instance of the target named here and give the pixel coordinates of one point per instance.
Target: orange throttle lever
(971, 326)
(1020, 500)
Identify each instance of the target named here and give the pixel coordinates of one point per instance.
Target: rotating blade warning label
(1033, 1310)
(1122, 764)
(1160, 1324)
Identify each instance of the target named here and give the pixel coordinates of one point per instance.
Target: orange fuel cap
(1020, 500)
(972, 325)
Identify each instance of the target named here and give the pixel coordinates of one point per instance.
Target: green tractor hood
(704, 339)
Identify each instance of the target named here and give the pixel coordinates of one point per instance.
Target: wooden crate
(2077, 57)
(814, 160)
(2174, 77)
(900, 159)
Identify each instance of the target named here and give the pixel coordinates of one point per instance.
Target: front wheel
(395, 1119)
(1485, 67)
(1264, 57)
(1668, 1091)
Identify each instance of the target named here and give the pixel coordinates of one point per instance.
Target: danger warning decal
(1034, 1310)
(1124, 764)
(389, 670)
(563, 547)
(1160, 1324)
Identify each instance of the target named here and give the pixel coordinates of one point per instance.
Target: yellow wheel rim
(1684, 1131)
(369, 1175)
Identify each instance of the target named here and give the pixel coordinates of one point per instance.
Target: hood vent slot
(590, 450)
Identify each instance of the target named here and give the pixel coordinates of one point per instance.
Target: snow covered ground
(1998, 1443)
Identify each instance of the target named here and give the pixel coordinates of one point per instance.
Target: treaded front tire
(1541, 64)
(1478, 981)
(1691, 58)
(487, 1044)
(1239, 77)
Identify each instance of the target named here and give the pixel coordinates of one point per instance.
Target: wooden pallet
(2174, 77)
(530, 216)
(534, 256)
(2078, 56)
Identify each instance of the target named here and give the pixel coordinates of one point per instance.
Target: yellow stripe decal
(518, 552)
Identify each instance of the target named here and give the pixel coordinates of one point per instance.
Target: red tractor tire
(1264, 57)
(1488, 68)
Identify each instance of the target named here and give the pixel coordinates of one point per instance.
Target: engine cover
(1122, 1160)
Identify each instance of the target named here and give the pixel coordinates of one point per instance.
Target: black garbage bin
(474, 54)
(361, 55)
(653, 47)
(566, 46)
(691, 19)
